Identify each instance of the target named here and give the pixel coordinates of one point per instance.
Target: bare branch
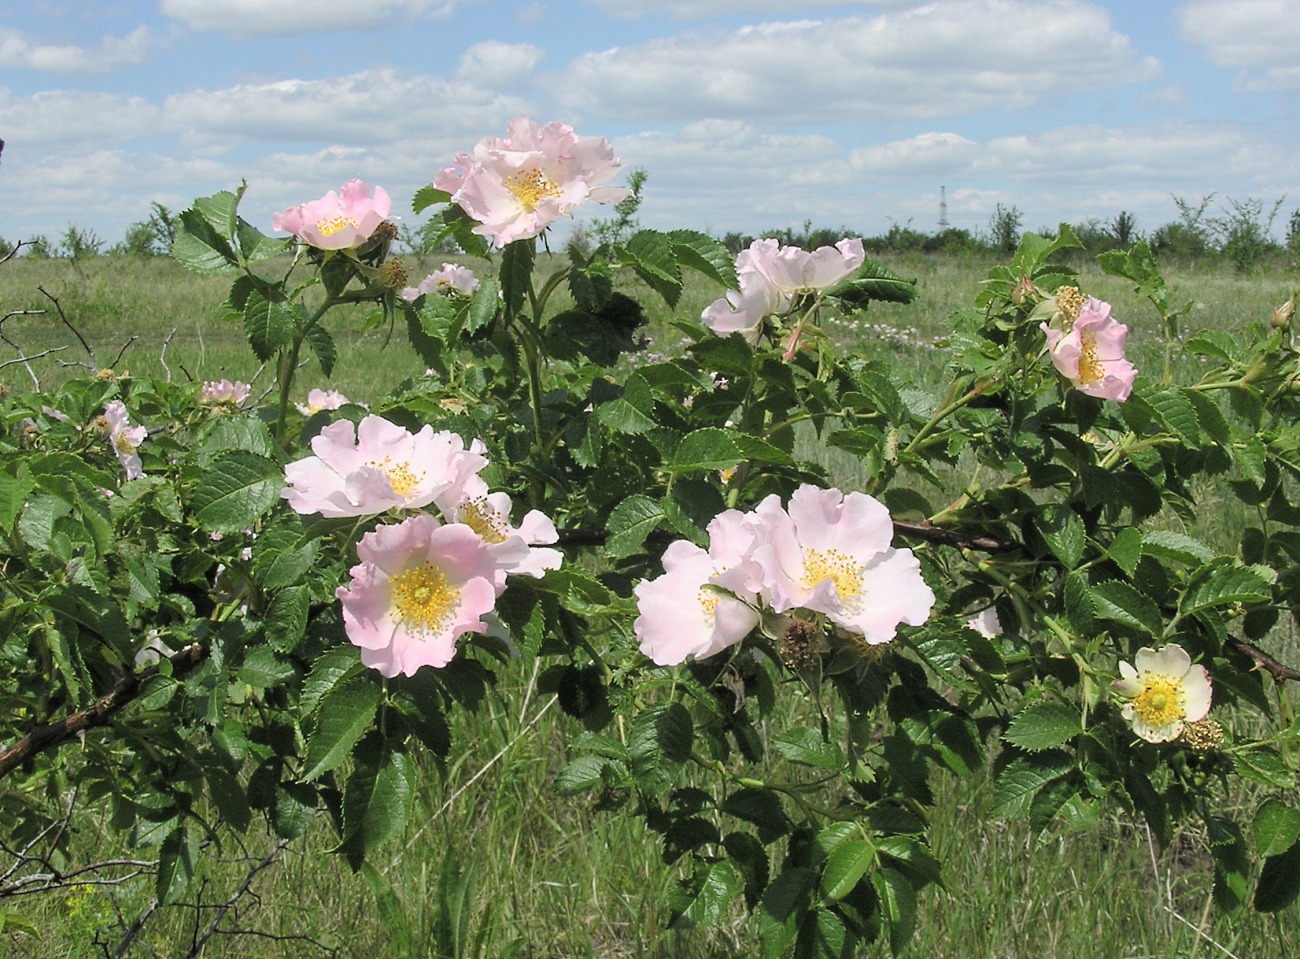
(94, 363)
(162, 357)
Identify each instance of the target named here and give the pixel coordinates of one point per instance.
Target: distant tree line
(1240, 234)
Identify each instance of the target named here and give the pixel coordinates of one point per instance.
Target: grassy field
(494, 864)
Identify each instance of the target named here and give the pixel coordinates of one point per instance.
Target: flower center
(1069, 301)
(708, 600)
(423, 599)
(1160, 703)
(124, 442)
(400, 475)
(477, 513)
(334, 224)
(840, 569)
(531, 187)
(1091, 370)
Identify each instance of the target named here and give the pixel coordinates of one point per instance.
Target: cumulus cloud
(498, 65)
(70, 122)
(245, 18)
(19, 51)
(702, 9)
(1260, 37)
(936, 60)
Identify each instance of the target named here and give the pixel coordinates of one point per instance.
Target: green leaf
(1019, 782)
(331, 668)
(1279, 881)
(229, 797)
(721, 886)
(176, 859)
(377, 800)
(1225, 582)
(651, 254)
(516, 273)
(898, 901)
(235, 490)
(873, 281)
(632, 412)
(322, 345)
(807, 748)
(703, 253)
(483, 305)
(629, 523)
(1126, 549)
(201, 247)
(345, 713)
(1263, 765)
(659, 741)
(427, 196)
(785, 903)
(1043, 725)
(1063, 530)
(1276, 827)
(1121, 603)
(762, 807)
(268, 324)
(1179, 547)
(706, 449)
(847, 863)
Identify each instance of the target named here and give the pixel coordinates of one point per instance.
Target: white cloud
(19, 51)
(497, 66)
(703, 9)
(1261, 37)
(71, 122)
(943, 59)
(245, 18)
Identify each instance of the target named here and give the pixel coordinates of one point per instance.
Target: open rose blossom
(419, 586)
(125, 438)
(771, 276)
(373, 466)
(1091, 353)
(223, 393)
(318, 400)
(337, 221)
(831, 553)
(519, 550)
(518, 186)
(451, 279)
(682, 614)
(1162, 691)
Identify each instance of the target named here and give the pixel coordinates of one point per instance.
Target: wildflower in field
(223, 393)
(420, 585)
(518, 550)
(721, 581)
(451, 279)
(518, 186)
(831, 553)
(373, 466)
(337, 221)
(318, 400)
(125, 438)
(1090, 353)
(1162, 691)
(771, 276)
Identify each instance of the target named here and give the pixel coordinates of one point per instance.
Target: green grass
(493, 863)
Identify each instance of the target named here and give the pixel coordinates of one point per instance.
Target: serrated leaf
(268, 324)
(1224, 583)
(873, 281)
(516, 273)
(706, 449)
(1275, 828)
(721, 886)
(1279, 881)
(483, 305)
(1062, 529)
(322, 346)
(630, 412)
(1121, 603)
(427, 196)
(630, 522)
(1042, 726)
(659, 742)
(1263, 765)
(1178, 414)
(784, 904)
(847, 863)
(331, 668)
(345, 713)
(704, 254)
(650, 253)
(898, 902)
(1126, 549)
(1168, 544)
(1018, 783)
(235, 490)
(377, 800)
(229, 797)
(176, 859)
(807, 748)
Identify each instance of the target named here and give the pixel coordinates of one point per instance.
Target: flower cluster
(223, 393)
(451, 279)
(771, 276)
(337, 221)
(1162, 691)
(518, 186)
(1088, 348)
(428, 579)
(828, 554)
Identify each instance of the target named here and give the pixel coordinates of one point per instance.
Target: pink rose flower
(1091, 354)
(670, 627)
(337, 221)
(125, 438)
(515, 188)
(419, 586)
(223, 393)
(518, 550)
(451, 279)
(374, 466)
(318, 400)
(831, 553)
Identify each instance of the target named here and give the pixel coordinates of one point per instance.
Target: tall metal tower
(943, 208)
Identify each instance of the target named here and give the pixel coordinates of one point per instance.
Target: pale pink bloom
(337, 221)
(223, 393)
(771, 276)
(318, 400)
(374, 466)
(705, 601)
(831, 553)
(986, 623)
(518, 186)
(518, 550)
(451, 279)
(1162, 691)
(419, 586)
(1091, 353)
(125, 438)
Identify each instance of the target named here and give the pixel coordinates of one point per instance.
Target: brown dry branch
(94, 363)
(50, 735)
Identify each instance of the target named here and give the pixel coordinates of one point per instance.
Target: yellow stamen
(423, 599)
(400, 475)
(477, 513)
(839, 568)
(124, 443)
(1069, 301)
(1160, 703)
(531, 186)
(1091, 370)
(334, 225)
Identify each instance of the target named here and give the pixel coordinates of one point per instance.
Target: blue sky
(746, 114)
